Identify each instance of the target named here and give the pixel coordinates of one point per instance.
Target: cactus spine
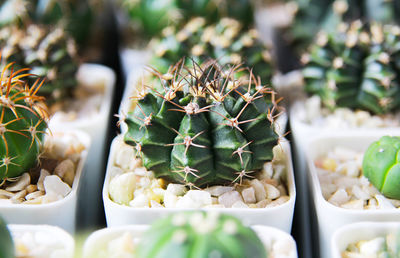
(200, 234)
(202, 125)
(382, 167)
(22, 123)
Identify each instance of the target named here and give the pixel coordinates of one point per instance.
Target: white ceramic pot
(133, 60)
(59, 213)
(362, 231)
(280, 216)
(47, 239)
(99, 239)
(98, 76)
(329, 216)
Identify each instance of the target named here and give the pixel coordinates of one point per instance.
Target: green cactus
(75, 16)
(22, 123)
(203, 126)
(225, 40)
(381, 165)
(48, 51)
(200, 234)
(355, 67)
(6, 241)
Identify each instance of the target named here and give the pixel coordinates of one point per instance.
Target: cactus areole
(203, 126)
(22, 123)
(200, 234)
(381, 165)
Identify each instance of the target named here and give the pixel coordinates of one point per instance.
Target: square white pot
(96, 126)
(60, 213)
(329, 216)
(356, 232)
(97, 240)
(56, 236)
(280, 216)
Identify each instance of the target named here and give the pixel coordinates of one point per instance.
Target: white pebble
(121, 188)
(194, 199)
(229, 198)
(22, 182)
(140, 201)
(260, 192)
(355, 204)
(125, 157)
(372, 247)
(66, 170)
(360, 193)
(43, 174)
(384, 203)
(339, 197)
(170, 200)
(219, 190)
(239, 204)
(352, 169)
(272, 192)
(53, 185)
(281, 200)
(176, 189)
(268, 169)
(34, 195)
(154, 204)
(141, 171)
(249, 195)
(278, 172)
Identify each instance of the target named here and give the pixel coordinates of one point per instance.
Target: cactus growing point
(200, 234)
(22, 123)
(204, 125)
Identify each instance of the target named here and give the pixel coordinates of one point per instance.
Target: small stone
(279, 171)
(34, 195)
(229, 198)
(214, 200)
(176, 189)
(66, 171)
(263, 203)
(43, 174)
(355, 204)
(272, 192)
(268, 170)
(194, 199)
(239, 204)
(384, 203)
(140, 201)
(218, 190)
(19, 197)
(154, 204)
(22, 182)
(352, 169)
(372, 247)
(170, 200)
(249, 195)
(339, 197)
(281, 200)
(6, 194)
(272, 182)
(121, 188)
(260, 192)
(31, 188)
(54, 186)
(141, 171)
(282, 190)
(125, 157)
(360, 193)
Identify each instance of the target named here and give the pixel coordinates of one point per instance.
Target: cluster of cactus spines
(382, 167)
(355, 67)
(48, 51)
(203, 126)
(200, 234)
(225, 40)
(6, 243)
(23, 123)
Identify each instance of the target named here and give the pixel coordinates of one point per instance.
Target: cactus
(76, 17)
(22, 123)
(381, 165)
(355, 67)
(48, 51)
(202, 126)
(200, 234)
(225, 40)
(6, 241)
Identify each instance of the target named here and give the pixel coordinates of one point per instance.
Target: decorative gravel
(343, 184)
(132, 185)
(52, 179)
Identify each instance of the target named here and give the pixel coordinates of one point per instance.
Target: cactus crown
(48, 51)
(22, 122)
(225, 40)
(356, 67)
(203, 125)
(204, 234)
(381, 165)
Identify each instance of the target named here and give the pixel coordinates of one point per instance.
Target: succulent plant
(6, 241)
(23, 119)
(151, 16)
(355, 67)
(75, 16)
(202, 125)
(225, 40)
(312, 16)
(48, 51)
(200, 234)
(381, 165)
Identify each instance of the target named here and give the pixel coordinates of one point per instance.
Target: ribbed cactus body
(381, 165)
(225, 40)
(22, 127)
(48, 51)
(198, 234)
(203, 132)
(355, 67)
